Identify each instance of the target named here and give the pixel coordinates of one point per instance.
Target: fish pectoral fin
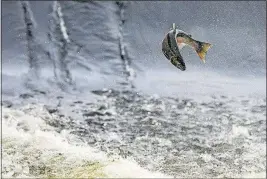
(180, 42)
(181, 45)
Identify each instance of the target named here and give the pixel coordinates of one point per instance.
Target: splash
(31, 148)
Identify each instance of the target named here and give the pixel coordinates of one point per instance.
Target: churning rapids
(221, 137)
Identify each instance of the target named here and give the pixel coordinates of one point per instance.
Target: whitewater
(114, 133)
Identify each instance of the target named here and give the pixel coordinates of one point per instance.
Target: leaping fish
(175, 40)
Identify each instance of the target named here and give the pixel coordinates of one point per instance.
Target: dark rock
(102, 107)
(7, 104)
(100, 92)
(108, 114)
(26, 96)
(219, 104)
(61, 115)
(91, 141)
(38, 91)
(203, 104)
(50, 109)
(180, 106)
(93, 113)
(23, 126)
(78, 102)
(124, 83)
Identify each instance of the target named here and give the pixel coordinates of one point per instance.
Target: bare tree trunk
(32, 45)
(60, 44)
(60, 40)
(126, 61)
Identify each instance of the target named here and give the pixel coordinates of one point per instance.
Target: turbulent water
(32, 147)
(127, 111)
(220, 137)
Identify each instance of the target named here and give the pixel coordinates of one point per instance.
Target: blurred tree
(32, 44)
(126, 61)
(60, 41)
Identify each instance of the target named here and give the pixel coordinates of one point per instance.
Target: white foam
(254, 175)
(28, 141)
(240, 130)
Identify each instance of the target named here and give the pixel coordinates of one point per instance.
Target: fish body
(201, 48)
(175, 40)
(171, 50)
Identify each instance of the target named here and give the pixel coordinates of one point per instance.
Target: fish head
(178, 63)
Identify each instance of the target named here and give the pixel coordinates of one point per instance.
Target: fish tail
(201, 49)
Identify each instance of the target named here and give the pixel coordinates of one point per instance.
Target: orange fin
(202, 50)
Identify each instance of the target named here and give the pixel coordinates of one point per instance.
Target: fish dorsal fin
(173, 26)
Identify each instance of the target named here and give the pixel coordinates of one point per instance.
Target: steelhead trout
(175, 40)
